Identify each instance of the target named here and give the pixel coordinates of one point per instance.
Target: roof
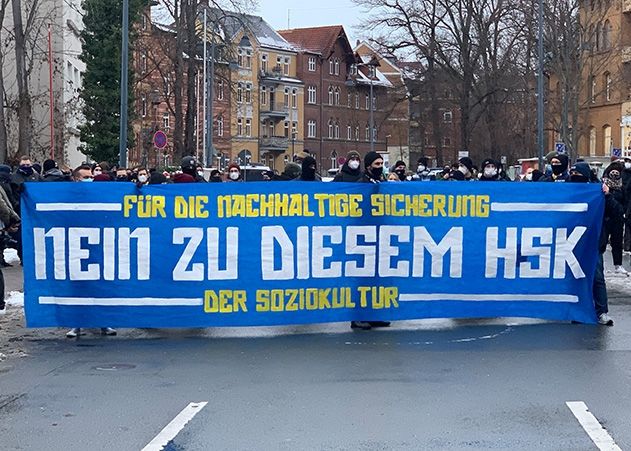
(320, 40)
(232, 23)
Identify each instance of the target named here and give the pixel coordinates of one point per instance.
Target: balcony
(626, 54)
(271, 143)
(277, 112)
(273, 75)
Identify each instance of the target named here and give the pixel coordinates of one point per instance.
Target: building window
(294, 98)
(592, 141)
(592, 89)
(331, 67)
(219, 125)
(144, 22)
(446, 141)
(350, 99)
(311, 129)
(165, 121)
(143, 106)
(143, 62)
(244, 58)
(312, 64)
(264, 59)
(608, 87)
(263, 95)
(167, 85)
(286, 98)
(239, 127)
(367, 130)
(357, 133)
(239, 92)
(357, 101)
(606, 35)
(312, 99)
(219, 90)
(337, 66)
(367, 102)
(349, 132)
(330, 95)
(248, 127)
(286, 129)
(286, 67)
(337, 130)
(447, 117)
(607, 142)
(353, 69)
(248, 93)
(331, 129)
(294, 130)
(337, 96)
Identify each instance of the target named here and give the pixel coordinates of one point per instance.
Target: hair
(25, 157)
(80, 168)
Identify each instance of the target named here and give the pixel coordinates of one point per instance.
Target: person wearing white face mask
(234, 173)
(143, 176)
(490, 171)
(422, 171)
(350, 171)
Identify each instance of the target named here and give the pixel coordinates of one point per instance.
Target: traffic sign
(616, 152)
(560, 148)
(160, 139)
(463, 153)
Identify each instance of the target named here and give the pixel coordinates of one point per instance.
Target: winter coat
(7, 215)
(613, 211)
(347, 174)
(55, 175)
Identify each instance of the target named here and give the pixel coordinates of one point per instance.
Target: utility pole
(122, 145)
(540, 103)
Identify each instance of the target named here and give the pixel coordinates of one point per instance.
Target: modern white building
(64, 19)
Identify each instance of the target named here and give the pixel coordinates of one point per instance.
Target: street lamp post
(372, 65)
(122, 138)
(293, 143)
(540, 104)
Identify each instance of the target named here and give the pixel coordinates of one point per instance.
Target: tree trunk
(191, 78)
(178, 144)
(25, 114)
(3, 123)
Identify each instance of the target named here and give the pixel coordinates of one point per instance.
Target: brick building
(337, 95)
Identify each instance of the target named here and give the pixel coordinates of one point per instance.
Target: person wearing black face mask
(373, 168)
(309, 168)
(612, 177)
(581, 173)
(121, 175)
(400, 170)
(373, 173)
(559, 166)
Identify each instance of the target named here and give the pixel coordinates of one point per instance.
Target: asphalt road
(434, 384)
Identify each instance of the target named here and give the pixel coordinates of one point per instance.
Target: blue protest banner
(239, 254)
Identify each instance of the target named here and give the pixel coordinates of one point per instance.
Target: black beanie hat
(423, 160)
(370, 158)
(490, 161)
(467, 162)
(399, 163)
(49, 164)
(307, 162)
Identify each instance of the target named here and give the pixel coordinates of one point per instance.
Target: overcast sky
(313, 14)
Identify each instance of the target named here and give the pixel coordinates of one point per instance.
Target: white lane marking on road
(174, 427)
(594, 429)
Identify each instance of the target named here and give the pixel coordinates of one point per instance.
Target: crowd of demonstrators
(616, 182)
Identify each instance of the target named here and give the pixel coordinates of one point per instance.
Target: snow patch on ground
(15, 298)
(11, 256)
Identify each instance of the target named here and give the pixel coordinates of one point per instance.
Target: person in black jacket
(351, 170)
(614, 226)
(490, 171)
(581, 173)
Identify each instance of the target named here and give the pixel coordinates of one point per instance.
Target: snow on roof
(161, 16)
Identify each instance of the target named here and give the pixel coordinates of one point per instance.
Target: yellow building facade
(267, 112)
